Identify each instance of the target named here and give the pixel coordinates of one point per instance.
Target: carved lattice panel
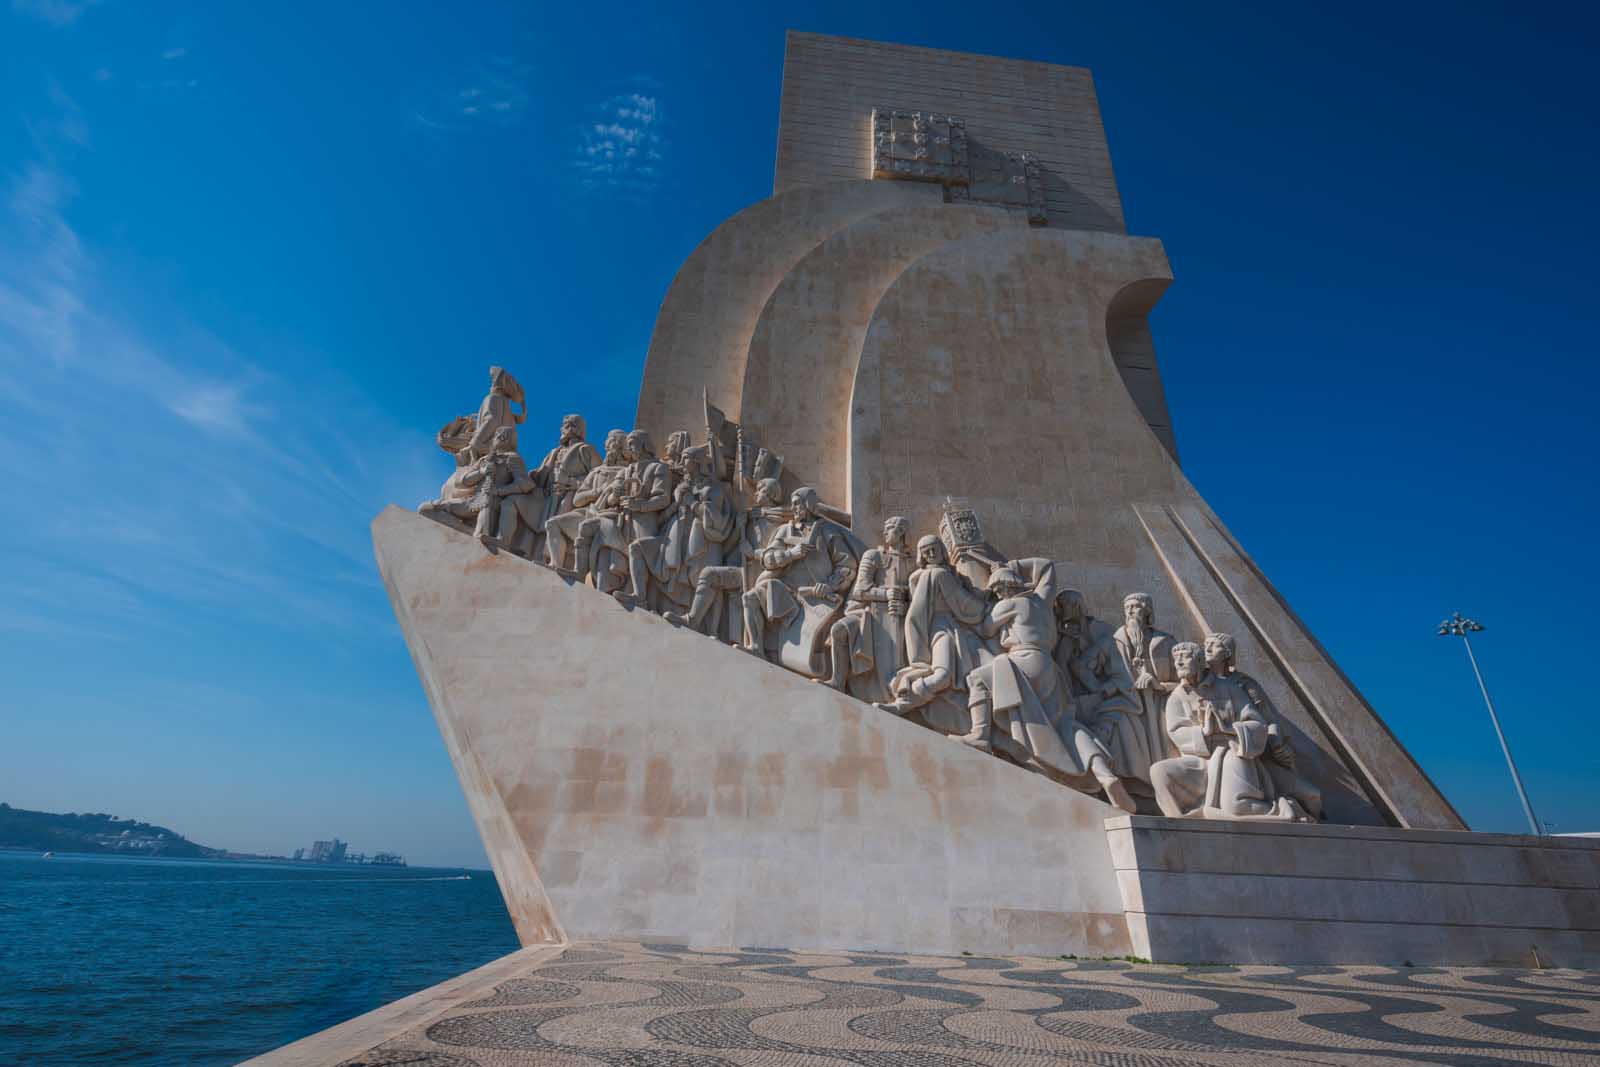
(919, 146)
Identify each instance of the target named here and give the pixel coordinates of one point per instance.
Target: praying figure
(1222, 654)
(1221, 738)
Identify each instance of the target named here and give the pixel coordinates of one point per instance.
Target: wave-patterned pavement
(626, 1004)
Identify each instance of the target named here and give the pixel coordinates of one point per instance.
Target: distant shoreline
(256, 861)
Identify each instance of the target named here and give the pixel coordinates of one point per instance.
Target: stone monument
(687, 700)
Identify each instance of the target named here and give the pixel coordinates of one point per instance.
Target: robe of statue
(563, 465)
(876, 633)
(1221, 738)
(702, 520)
(1155, 656)
(494, 414)
(941, 648)
(1092, 664)
(796, 621)
(1027, 693)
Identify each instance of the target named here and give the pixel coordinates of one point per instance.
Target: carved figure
(576, 529)
(1103, 693)
(942, 645)
(512, 502)
(1222, 654)
(806, 567)
(1019, 702)
(1147, 657)
(664, 569)
(866, 646)
(711, 610)
(453, 506)
(563, 469)
(496, 413)
(1221, 738)
(646, 489)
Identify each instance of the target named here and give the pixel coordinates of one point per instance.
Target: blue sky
(252, 256)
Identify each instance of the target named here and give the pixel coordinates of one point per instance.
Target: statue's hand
(1146, 680)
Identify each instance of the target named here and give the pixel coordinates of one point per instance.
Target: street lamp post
(1459, 626)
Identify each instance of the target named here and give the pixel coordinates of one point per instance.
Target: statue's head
(803, 503)
(616, 446)
(895, 529)
(1221, 652)
(769, 493)
(1138, 608)
(677, 445)
(640, 446)
(573, 428)
(930, 551)
(505, 440)
(1070, 610)
(1005, 582)
(1186, 660)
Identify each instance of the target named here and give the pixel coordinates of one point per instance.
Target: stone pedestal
(1236, 892)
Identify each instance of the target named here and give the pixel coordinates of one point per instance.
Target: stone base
(1237, 892)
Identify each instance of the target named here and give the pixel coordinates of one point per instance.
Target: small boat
(48, 856)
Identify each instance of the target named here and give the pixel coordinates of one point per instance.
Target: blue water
(192, 963)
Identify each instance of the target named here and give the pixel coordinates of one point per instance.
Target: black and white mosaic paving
(659, 1005)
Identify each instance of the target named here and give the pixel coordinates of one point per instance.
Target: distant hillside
(46, 832)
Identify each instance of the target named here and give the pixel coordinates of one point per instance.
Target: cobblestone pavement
(654, 1005)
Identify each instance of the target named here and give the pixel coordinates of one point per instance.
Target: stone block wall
(1198, 892)
(831, 85)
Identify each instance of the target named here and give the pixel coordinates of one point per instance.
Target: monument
(913, 636)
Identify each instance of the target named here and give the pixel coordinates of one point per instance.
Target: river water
(106, 960)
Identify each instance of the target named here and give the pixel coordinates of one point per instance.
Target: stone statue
(1222, 654)
(806, 568)
(646, 489)
(563, 469)
(664, 570)
(1147, 658)
(1019, 702)
(496, 413)
(712, 611)
(453, 508)
(576, 529)
(866, 646)
(512, 503)
(1103, 694)
(1221, 738)
(941, 644)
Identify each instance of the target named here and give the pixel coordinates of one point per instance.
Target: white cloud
(493, 92)
(624, 147)
(174, 53)
(190, 485)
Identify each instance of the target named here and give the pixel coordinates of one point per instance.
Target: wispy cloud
(623, 147)
(493, 92)
(174, 53)
(203, 487)
(53, 12)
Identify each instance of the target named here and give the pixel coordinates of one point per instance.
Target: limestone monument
(688, 700)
